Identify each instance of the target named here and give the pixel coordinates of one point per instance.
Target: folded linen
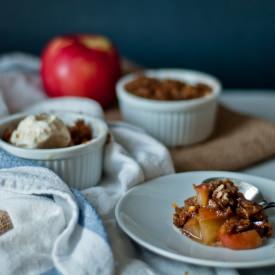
(54, 229)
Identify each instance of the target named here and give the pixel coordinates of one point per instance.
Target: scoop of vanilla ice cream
(42, 131)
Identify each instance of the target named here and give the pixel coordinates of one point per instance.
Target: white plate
(145, 214)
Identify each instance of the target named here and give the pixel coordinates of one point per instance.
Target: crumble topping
(166, 89)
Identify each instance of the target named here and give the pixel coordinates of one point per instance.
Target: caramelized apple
(244, 240)
(210, 223)
(202, 194)
(192, 229)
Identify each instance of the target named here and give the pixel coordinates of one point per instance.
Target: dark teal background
(232, 39)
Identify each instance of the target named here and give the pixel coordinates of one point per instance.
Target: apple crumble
(166, 89)
(45, 131)
(80, 132)
(220, 215)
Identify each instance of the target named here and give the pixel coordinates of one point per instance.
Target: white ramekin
(79, 166)
(174, 123)
(74, 104)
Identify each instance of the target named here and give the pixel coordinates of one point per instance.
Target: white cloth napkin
(53, 229)
(131, 158)
(3, 107)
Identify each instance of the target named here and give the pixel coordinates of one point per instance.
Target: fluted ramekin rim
(166, 105)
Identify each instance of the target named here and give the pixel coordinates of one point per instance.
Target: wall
(233, 39)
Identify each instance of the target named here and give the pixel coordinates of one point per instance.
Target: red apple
(81, 65)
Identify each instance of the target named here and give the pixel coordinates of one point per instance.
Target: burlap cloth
(238, 142)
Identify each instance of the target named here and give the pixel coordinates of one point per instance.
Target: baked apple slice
(210, 223)
(192, 229)
(238, 241)
(202, 194)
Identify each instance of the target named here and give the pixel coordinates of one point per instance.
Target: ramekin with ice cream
(49, 139)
